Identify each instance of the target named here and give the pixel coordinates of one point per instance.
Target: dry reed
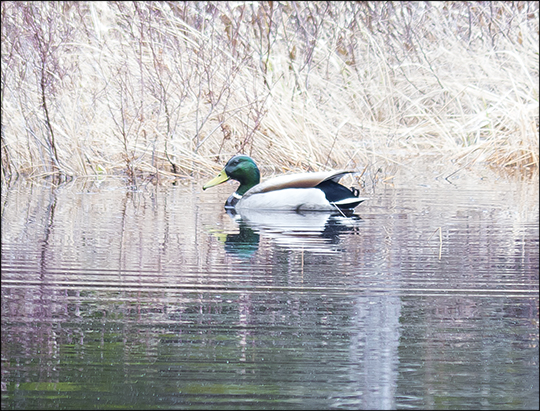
(170, 88)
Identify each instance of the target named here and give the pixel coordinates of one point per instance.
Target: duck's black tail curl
(341, 196)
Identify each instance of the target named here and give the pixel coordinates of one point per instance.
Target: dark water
(156, 298)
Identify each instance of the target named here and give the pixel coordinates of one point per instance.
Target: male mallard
(305, 191)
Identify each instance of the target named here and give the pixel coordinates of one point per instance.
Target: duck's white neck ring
(237, 196)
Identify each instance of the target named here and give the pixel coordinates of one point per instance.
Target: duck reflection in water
(309, 231)
(244, 243)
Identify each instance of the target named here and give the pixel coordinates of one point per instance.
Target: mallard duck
(319, 191)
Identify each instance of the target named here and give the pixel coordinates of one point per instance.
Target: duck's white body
(294, 192)
(287, 199)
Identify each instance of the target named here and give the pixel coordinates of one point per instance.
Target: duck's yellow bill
(220, 178)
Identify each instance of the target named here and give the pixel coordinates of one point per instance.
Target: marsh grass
(146, 89)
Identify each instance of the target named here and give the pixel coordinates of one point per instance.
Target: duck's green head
(240, 168)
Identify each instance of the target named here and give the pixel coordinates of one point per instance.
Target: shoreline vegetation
(174, 89)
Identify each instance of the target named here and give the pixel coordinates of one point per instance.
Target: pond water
(426, 297)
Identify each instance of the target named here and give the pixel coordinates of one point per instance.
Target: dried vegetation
(175, 88)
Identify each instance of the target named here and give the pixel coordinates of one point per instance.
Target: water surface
(426, 297)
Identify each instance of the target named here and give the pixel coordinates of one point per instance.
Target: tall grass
(170, 88)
